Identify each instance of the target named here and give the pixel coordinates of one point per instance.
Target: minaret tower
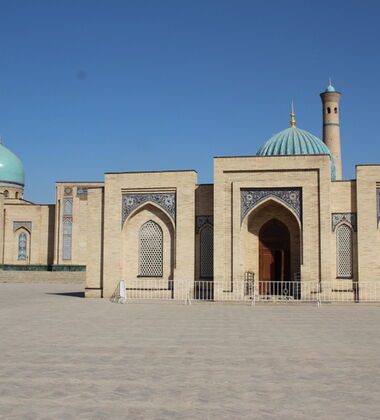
(331, 130)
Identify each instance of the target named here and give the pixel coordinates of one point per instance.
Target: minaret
(331, 130)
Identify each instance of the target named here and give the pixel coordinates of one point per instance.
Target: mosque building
(283, 215)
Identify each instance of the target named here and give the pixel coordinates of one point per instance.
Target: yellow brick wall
(79, 226)
(39, 240)
(94, 238)
(183, 183)
(311, 173)
(368, 178)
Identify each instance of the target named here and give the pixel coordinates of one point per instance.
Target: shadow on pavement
(71, 294)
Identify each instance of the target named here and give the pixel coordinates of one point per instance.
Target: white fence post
(122, 292)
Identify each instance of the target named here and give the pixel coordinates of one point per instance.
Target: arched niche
(264, 212)
(21, 249)
(131, 236)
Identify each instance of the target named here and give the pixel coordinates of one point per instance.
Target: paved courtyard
(64, 357)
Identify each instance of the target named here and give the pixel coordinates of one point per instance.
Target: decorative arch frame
(141, 207)
(132, 201)
(348, 218)
(291, 198)
(130, 240)
(251, 225)
(267, 200)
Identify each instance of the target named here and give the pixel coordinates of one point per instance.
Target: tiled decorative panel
(167, 201)
(25, 225)
(349, 218)
(291, 197)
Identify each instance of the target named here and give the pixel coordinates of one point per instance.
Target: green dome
(11, 169)
(294, 141)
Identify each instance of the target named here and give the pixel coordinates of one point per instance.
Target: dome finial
(292, 121)
(330, 87)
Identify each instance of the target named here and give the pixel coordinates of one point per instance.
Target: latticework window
(22, 244)
(344, 251)
(67, 238)
(68, 207)
(207, 252)
(150, 250)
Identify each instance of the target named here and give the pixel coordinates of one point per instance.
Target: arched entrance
(274, 259)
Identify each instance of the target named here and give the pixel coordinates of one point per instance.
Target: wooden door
(266, 270)
(274, 257)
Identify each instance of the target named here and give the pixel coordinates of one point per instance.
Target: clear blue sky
(94, 86)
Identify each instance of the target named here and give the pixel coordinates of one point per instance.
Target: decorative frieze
(167, 201)
(349, 218)
(25, 225)
(200, 221)
(291, 197)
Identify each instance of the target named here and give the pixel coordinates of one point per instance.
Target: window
(336, 110)
(150, 250)
(16, 194)
(68, 207)
(22, 244)
(67, 238)
(328, 110)
(344, 251)
(207, 251)
(6, 193)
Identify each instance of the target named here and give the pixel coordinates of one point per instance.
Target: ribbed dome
(11, 169)
(294, 141)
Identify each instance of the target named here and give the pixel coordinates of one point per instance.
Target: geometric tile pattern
(292, 197)
(349, 218)
(167, 201)
(25, 225)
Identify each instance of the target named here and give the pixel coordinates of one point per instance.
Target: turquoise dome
(11, 169)
(330, 88)
(294, 141)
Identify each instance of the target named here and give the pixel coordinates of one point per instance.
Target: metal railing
(248, 290)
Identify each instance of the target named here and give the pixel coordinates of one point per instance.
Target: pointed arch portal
(274, 258)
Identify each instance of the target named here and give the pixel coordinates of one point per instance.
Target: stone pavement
(64, 357)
